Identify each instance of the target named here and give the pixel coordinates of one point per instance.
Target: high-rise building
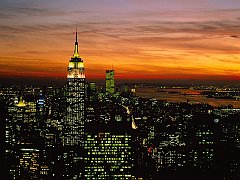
(21, 133)
(108, 156)
(108, 141)
(110, 86)
(73, 130)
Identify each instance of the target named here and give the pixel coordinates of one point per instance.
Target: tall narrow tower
(74, 123)
(110, 85)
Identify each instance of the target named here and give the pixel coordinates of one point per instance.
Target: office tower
(110, 86)
(40, 105)
(202, 139)
(91, 91)
(108, 156)
(21, 134)
(108, 151)
(40, 114)
(108, 143)
(3, 138)
(73, 129)
(93, 86)
(29, 162)
(228, 148)
(23, 115)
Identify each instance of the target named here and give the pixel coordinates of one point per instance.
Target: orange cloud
(139, 45)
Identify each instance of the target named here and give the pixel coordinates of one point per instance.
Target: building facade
(110, 85)
(73, 129)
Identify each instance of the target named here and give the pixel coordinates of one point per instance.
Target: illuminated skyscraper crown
(76, 66)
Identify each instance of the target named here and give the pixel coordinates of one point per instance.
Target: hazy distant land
(184, 95)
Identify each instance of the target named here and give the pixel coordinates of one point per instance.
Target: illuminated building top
(76, 66)
(21, 103)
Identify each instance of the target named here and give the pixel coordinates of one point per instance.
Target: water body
(184, 95)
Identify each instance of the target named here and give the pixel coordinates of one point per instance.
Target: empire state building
(73, 130)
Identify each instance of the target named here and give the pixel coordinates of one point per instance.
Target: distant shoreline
(185, 95)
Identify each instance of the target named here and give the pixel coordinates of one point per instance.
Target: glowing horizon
(141, 39)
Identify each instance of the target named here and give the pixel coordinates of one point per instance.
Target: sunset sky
(142, 39)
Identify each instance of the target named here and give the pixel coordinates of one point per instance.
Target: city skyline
(86, 130)
(142, 40)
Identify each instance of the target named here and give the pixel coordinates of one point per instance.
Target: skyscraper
(108, 155)
(108, 144)
(110, 86)
(75, 93)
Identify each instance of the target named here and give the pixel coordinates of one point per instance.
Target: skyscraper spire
(76, 35)
(76, 46)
